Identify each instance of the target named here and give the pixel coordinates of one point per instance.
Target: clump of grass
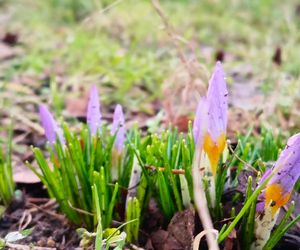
(7, 185)
(77, 166)
(86, 169)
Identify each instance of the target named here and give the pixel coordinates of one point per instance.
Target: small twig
(63, 241)
(26, 121)
(198, 238)
(24, 247)
(133, 187)
(134, 247)
(26, 215)
(241, 160)
(110, 6)
(53, 214)
(292, 217)
(80, 210)
(21, 137)
(226, 220)
(121, 187)
(37, 200)
(116, 223)
(174, 171)
(49, 204)
(172, 34)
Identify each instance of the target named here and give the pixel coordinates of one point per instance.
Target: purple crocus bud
(287, 172)
(50, 126)
(118, 126)
(214, 115)
(217, 98)
(277, 193)
(93, 111)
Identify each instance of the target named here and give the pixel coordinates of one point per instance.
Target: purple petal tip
(50, 126)
(217, 98)
(93, 111)
(288, 164)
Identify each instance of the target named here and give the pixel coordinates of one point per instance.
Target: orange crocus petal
(56, 162)
(276, 196)
(214, 150)
(82, 144)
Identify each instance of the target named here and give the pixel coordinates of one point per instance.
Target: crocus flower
(93, 111)
(278, 190)
(118, 126)
(287, 172)
(211, 118)
(50, 126)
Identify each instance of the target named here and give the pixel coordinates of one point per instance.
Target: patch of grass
(7, 185)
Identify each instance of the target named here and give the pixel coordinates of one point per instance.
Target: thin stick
(23, 119)
(241, 160)
(81, 211)
(174, 171)
(198, 238)
(37, 200)
(201, 203)
(26, 215)
(24, 247)
(292, 216)
(113, 4)
(172, 34)
(36, 208)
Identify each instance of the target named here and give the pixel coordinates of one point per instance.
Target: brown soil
(50, 229)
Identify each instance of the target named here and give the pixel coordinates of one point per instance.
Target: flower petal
(118, 126)
(93, 111)
(200, 122)
(265, 176)
(287, 168)
(50, 126)
(260, 205)
(217, 98)
(289, 165)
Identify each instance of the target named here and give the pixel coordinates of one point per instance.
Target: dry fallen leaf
(23, 174)
(229, 241)
(181, 231)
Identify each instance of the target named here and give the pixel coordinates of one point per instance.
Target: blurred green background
(64, 46)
